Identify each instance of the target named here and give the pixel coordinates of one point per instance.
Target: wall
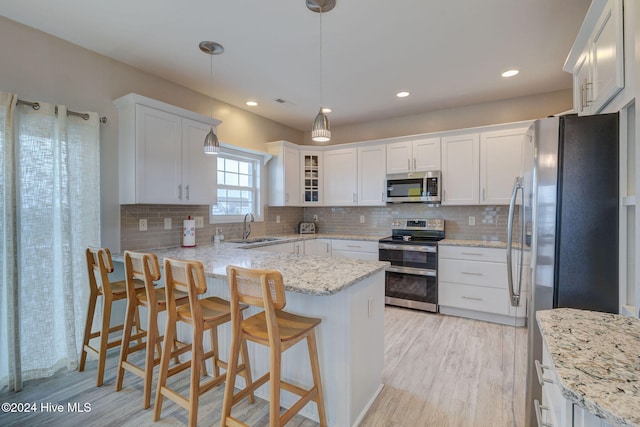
(504, 111)
(40, 67)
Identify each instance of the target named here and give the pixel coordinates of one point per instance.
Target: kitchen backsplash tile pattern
(490, 222)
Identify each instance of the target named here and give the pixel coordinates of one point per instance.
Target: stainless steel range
(412, 249)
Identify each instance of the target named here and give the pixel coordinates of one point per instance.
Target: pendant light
(321, 131)
(211, 143)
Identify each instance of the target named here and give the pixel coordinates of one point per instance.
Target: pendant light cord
(321, 88)
(211, 87)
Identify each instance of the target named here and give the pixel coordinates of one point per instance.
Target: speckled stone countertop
(596, 357)
(301, 273)
(474, 243)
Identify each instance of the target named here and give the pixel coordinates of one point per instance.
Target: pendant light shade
(321, 131)
(211, 143)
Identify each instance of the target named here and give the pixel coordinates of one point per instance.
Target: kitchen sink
(255, 240)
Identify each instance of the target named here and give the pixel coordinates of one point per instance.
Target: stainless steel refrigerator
(568, 219)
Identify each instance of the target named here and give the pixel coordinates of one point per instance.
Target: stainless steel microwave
(417, 187)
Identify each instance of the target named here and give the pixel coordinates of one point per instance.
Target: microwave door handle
(514, 298)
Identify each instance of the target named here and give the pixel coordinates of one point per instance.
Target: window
(238, 187)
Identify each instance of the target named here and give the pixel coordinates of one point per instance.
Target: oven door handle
(414, 271)
(412, 248)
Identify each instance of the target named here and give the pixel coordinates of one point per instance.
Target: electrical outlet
(361, 219)
(142, 224)
(277, 219)
(167, 223)
(199, 221)
(315, 218)
(472, 220)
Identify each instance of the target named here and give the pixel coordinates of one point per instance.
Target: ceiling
(445, 53)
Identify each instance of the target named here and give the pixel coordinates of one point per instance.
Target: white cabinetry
(284, 174)
(472, 282)
(161, 159)
(555, 410)
(341, 177)
(460, 169)
(354, 249)
(371, 175)
(500, 164)
(296, 248)
(413, 156)
(596, 59)
(318, 247)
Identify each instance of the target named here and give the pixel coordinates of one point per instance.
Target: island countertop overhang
(301, 273)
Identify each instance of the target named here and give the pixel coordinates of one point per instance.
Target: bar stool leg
(317, 382)
(129, 320)
(230, 384)
(104, 338)
(87, 329)
(274, 386)
(152, 338)
(247, 369)
(169, 337)
(196, 361)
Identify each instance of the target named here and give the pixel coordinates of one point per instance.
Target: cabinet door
(158, 157)
(399, 155)
(460, 169)
(607, 56)
(312, 173)
(318, 247)
(198, 168)
(426, 154)
(340, 183)
(291, 177)
(371, 175)
(500, 164)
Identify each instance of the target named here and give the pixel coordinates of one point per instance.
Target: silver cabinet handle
(472, 298)
(180, 191)
(539, 409)
(187, 192)
(286, 197)
(414, 163)
(587, 101)
(408, 163)
(472, 253)
(355, 197)
(484, 195)
(472, 274)
(539, 368)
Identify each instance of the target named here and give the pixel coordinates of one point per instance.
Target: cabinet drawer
(478, 298)
(355, 246)
(492, 274)
(472, 253)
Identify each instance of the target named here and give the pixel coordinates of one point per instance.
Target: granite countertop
(474, 243)
(596, 357)
(301, 273)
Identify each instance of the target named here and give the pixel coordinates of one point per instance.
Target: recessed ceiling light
(252, 103)
(510, 73)
(402, 94)
(326, 110)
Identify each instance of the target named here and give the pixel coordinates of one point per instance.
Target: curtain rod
(84, 116)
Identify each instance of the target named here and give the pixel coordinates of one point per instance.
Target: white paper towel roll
(189, 233)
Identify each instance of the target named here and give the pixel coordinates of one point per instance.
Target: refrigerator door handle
(514, 294)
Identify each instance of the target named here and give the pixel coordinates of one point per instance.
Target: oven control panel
(436, 224)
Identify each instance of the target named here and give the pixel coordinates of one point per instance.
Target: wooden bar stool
(144, 267)
(99, 265)
(275, 329)
(202, 314)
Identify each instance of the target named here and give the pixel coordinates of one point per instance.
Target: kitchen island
(348, 295)
(595, 360)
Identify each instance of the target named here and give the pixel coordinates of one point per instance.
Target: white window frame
(258, 174)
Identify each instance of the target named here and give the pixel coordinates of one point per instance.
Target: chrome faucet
(246, 228)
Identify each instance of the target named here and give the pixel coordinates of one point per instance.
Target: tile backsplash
(490, 222)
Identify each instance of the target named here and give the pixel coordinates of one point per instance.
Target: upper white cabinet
(413, 156)
(596, 59)
(500, 163)
(161, 160)
(312, 172)
(341, 177)
(284, 174)
(460, 169)
(371, 175)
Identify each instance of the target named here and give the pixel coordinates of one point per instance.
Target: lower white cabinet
(296, 248)
(354, 249)
(555, 410)
(318, 247)
(472, 282)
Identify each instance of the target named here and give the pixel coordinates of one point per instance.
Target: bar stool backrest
(260, 288)
(99, 265)
(185, 276)
(141, 266)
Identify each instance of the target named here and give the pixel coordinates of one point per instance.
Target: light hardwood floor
(439, 371)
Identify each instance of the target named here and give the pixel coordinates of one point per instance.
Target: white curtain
(50, 208)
